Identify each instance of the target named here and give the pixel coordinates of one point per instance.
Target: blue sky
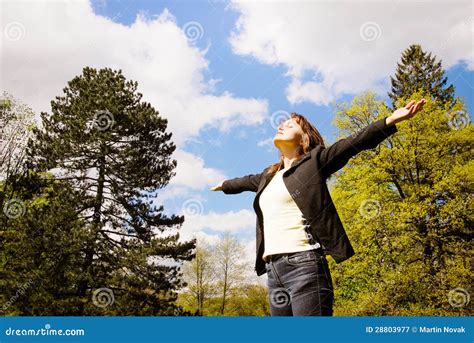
(246, 77)
(222, 88)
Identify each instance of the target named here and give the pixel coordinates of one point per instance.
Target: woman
(297, 222)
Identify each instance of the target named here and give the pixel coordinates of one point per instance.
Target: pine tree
(113, 150)
(419, 70)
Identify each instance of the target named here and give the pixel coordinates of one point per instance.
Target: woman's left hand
(406, 112)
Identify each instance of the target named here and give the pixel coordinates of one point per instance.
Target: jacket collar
(298, 162)
(268, 177)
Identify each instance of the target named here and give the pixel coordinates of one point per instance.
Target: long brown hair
(311, 138)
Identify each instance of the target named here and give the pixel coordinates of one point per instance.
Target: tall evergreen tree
(419, 70)
(113, 149)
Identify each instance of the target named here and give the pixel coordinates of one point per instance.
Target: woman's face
(289, 133)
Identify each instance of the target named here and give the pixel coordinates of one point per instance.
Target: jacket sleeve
(337, 155)
(241, 184)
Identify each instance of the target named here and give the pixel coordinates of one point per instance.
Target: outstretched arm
(239, 184)
(338, 154)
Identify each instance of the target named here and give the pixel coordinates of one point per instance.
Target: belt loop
(309, 235)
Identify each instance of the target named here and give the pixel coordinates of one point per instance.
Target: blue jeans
(300, 284)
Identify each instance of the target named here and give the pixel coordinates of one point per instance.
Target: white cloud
(46, 44)
(332, 48)
(191, 171)
(240, 222)
(267, 143)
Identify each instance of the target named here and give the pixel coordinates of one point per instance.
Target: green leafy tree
(113, 150)
(216, 282)
(41, 238)
(250, 300)
(230, 270)
(16, 124)
(200, 277)
(407, 206)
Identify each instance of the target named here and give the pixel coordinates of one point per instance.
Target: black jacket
(306, 182)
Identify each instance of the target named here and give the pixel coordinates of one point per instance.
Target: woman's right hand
(218, 187)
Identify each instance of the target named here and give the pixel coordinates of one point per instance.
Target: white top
(283, 222)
